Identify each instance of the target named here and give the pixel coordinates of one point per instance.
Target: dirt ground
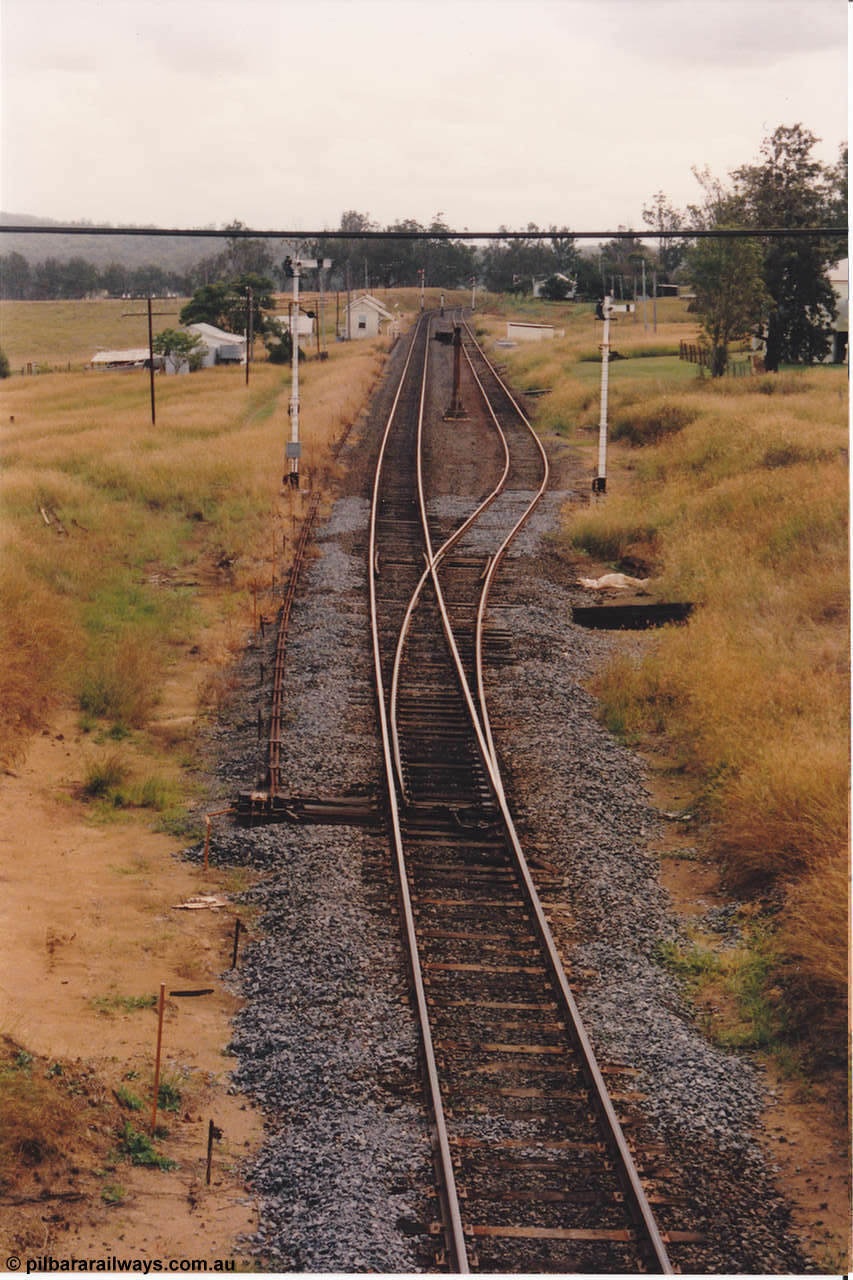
(93, 927)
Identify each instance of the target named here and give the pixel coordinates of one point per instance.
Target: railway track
(532, 1165)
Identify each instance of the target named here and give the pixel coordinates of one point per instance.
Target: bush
(646, 426)
(4, 365)
(103, 776)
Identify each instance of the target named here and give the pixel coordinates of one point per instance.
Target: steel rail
(492, 567)
(453, 1225)
(636, 1198)
(445, 548)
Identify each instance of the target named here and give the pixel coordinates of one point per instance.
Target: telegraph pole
(349, 317)
(129, 314)
(294, 448)
(645, 324)
(151, 362)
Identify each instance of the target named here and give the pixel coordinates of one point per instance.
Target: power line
(244, 233)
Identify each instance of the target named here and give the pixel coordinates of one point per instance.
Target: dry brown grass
(47, 1117)
(732, 494)
(92, 601)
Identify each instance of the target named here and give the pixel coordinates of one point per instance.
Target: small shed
(367, 316)
(525, 331)
(125, 360)
(219, 347)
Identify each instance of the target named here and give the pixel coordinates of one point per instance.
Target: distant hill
(172, 253)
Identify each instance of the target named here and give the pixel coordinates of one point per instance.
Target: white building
(839, 278)
(524, 331)
(219, 347)
(366, 316)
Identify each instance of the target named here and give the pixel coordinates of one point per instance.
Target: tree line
(775, 288)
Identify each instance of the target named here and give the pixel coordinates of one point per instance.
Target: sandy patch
(90, 932)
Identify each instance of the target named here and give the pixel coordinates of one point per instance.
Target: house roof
(368, 300)
(132, 355)
(211, 332)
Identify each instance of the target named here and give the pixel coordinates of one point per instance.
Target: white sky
(285, 113)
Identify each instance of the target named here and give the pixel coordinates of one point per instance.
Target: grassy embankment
(732, 494)
(119, 539)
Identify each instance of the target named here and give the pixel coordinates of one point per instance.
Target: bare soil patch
(92, 930)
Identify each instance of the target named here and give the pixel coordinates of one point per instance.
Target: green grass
(168, 1096)
(662, 370)
(137, 1148)
(123, 1004)
(131, 1101)
(735, 987)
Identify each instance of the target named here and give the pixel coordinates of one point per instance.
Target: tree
(244, 255)
(556, 288)
(235, 304)
(14, 276)
(835, 204)
(621, 262)
(278, 342)
(4, 365)
(662, 215)
(510, 266)
(726, 275)
(788, 189)
(180, 347)
(208, 305)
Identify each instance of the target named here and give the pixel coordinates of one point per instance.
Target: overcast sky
(283, 114)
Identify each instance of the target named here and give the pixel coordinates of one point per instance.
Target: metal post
(294, 384)
(321, 309)
(151, 362)
(599, 485)
(456, 410)
(249, 323)
(645, 323)
(421, 274)
(655, 299)
(473, 288)
(160, 1004)
(349, 316)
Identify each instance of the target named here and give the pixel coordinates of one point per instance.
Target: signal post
(604, 310)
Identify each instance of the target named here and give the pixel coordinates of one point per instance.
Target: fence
(695, 353)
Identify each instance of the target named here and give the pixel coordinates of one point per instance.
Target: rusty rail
(639, 1209)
